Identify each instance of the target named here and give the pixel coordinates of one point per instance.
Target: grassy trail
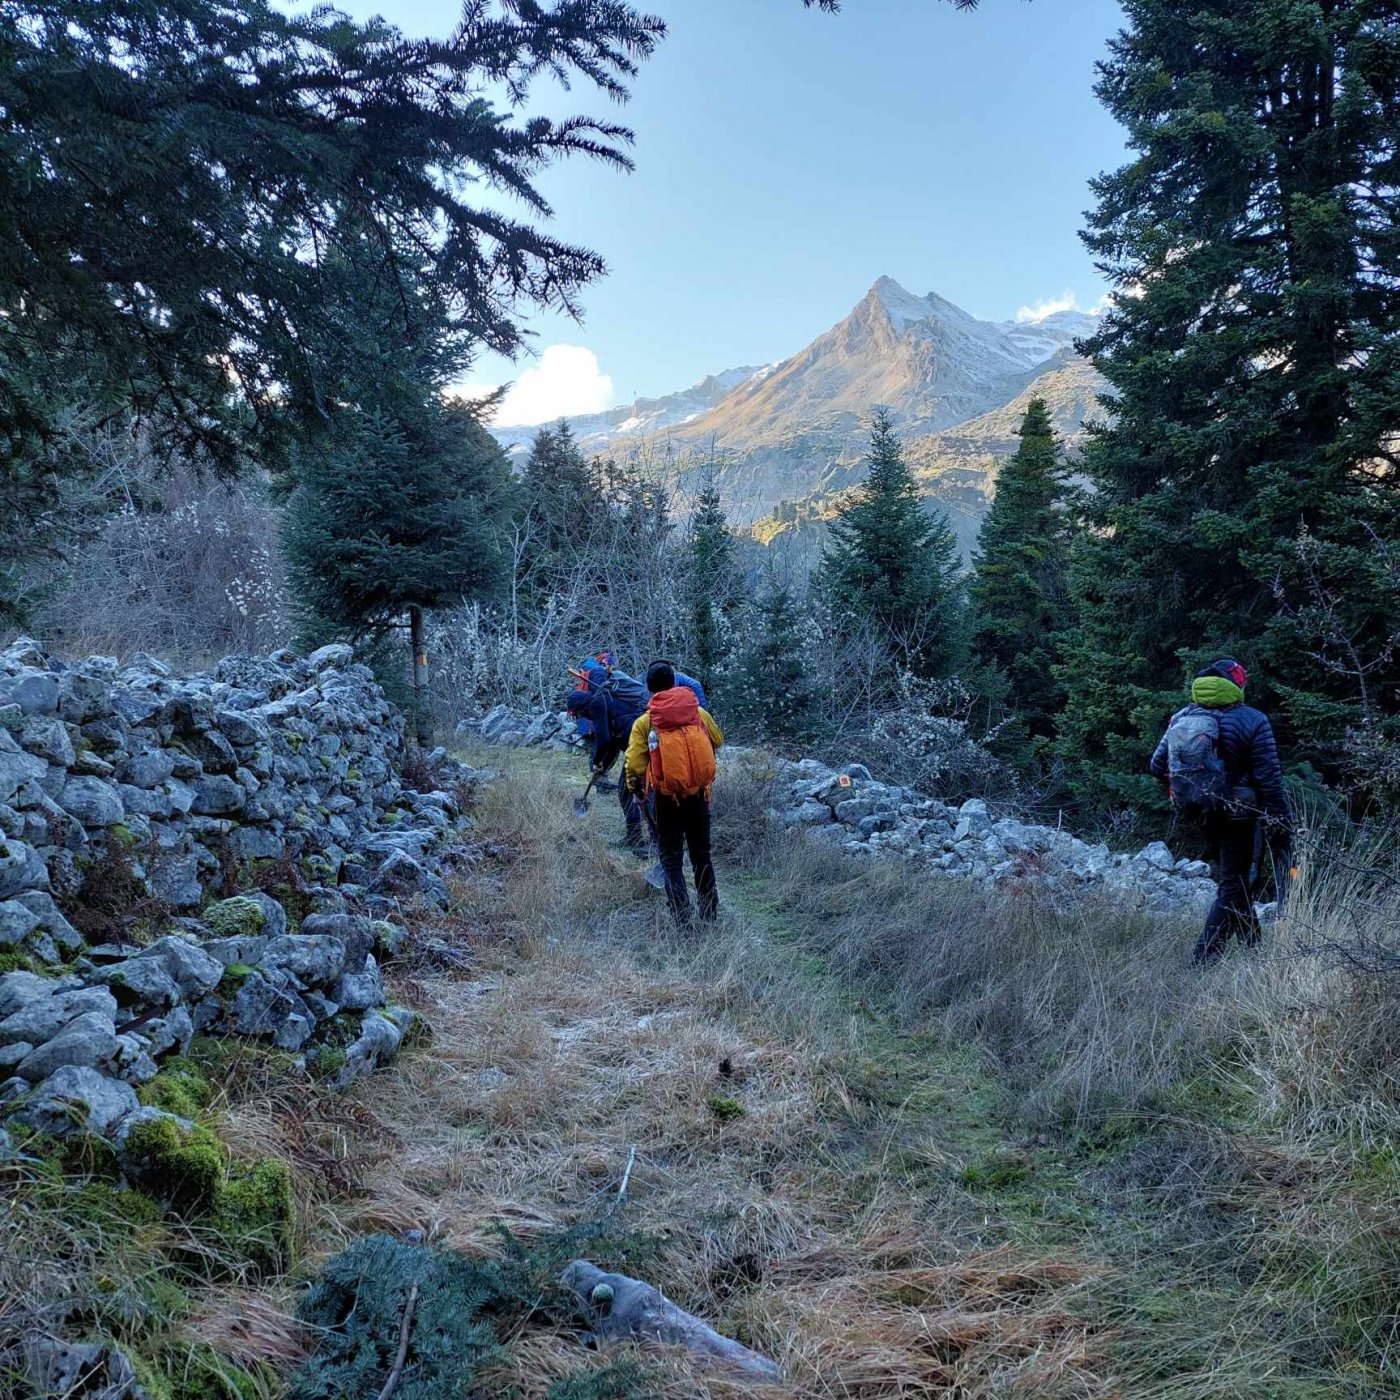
(828, 1187)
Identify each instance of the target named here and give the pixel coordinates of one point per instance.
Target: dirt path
(804, 1176)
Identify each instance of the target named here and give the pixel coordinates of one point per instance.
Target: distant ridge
(794, 431)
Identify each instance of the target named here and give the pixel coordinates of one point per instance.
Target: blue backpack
(691, 683)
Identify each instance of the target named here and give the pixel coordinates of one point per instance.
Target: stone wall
(170, 790)
(852, 812)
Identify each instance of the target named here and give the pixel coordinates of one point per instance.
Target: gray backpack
(1195, 766)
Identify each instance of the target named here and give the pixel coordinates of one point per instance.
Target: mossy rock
(122, 835)
(235, 975)
(185, 1166)
(255, 1213)
(180, 1088)
(239, 917)
(13, 961)
(80, 1155)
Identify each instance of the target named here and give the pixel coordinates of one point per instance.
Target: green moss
(235, 975)
(239, 917)
(726, 1110)
(12, 961)
(383, 939)
(108, 1206)
(179, 1088)
(255, 1212)
(352, 775)
(184, 1166)
(325, 1061)
(123, 836)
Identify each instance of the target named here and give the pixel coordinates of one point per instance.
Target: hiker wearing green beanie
(1221, 762)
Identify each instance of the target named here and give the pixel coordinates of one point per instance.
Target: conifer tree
(1253, 365)
(176, 178)
(1019, 594)
(394, 518)
(893, 566)
(563, 508)
(771, 694)
(712, 584)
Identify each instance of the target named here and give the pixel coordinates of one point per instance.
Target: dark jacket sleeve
(1159, 758)
(1267, 772)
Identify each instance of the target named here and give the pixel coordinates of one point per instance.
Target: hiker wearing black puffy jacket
(1253, 793)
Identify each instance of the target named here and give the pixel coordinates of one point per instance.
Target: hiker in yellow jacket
(671, 765)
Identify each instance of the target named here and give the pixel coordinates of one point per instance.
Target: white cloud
(1066, 301)
(565, 382)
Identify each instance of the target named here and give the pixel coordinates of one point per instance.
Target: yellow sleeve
(716, 733)
(634, 768)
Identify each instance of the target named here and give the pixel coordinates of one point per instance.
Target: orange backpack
(681, 757)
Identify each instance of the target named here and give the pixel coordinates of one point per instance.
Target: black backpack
(1195, 765)
(626, 697)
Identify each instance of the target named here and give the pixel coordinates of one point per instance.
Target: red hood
(672, 709)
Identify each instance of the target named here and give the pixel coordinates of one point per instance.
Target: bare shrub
(173, 563)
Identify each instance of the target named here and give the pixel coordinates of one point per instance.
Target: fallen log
(626, 1308)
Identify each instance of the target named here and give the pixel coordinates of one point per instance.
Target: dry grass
(770, 1161)
(909, 1139)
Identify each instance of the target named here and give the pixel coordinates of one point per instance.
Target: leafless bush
(169, 562)
(614, 585)
(930, 740)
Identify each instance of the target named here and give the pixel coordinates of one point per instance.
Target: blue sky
(787, 158)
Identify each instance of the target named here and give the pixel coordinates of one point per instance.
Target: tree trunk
(422, 713)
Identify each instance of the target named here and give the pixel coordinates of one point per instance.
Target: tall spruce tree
(771, 694)
(713, 586)
(564, 506)
(892, 566)
(1253, 355)
(1019, 594)
(393, 518)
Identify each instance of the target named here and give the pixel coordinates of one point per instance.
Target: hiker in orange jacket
(670, 766)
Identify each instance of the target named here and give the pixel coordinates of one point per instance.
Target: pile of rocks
(520, 729)
(854, 813)
(189, 779)
(258, 759)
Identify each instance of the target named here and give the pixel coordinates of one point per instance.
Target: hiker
(611, 703)
(1221, 762)
(670, 766)
(607, 661)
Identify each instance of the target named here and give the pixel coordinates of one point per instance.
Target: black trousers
(632, 816)
(1231, 838)
(683, 823)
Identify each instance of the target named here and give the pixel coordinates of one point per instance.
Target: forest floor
(853, 1194)
(885, 1197)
